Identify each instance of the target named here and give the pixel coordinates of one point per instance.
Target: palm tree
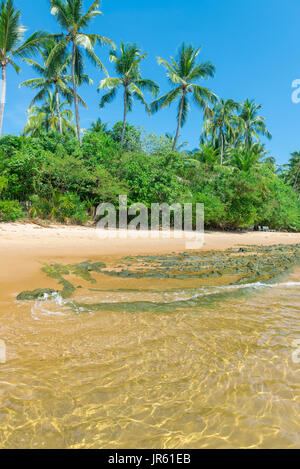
(12, 45)
(221, 126)
(171, 139)
(246, 158)
(183, 73)
(98, 126)
(207, 155)
(45, 118)
(72, 19)
(127, 66)
(57, 77)
(254, 125)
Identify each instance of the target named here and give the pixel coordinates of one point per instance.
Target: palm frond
(35, 65)
(55, 54)
(101, 40)
(165, 100)
(203, 97)
(33, 83)
(110, 82)
(95, 60)
(108, 97)
(137, 93)
(15, 66)
(60, 11)
(11, 31)
(31, 45)
(91, 13)
(148, 85)
(167, 65)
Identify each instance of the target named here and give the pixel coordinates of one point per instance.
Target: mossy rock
(36, 295)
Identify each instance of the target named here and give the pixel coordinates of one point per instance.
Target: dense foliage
(52, 177)
(57, 171)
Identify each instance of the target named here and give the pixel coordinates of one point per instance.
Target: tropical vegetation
(127, 65)
(56, 170)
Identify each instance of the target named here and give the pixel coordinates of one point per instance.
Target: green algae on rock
(234, 267)
(35, 295)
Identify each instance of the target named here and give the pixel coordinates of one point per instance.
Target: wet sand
(23, 247)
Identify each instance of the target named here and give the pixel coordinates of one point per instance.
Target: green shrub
(10, 210)
(62, 181)
(100, 148)
(3, 183)
(214, 209)
(282, 211)
(132, 140)
(152, 178)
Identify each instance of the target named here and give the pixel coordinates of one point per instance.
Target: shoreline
(24, 247)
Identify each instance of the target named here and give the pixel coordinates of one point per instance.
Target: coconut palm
(207, 155)
(171, 139)
(98, 126)
(127, 66)
(13, 46)
(57, 77)
(246, 158)
(45, 117)
(221, 126)
(254, 125)
(70, 16)
(183, 74)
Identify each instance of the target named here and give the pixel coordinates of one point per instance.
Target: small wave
(255, 285)
(49, 307)
(39, 310)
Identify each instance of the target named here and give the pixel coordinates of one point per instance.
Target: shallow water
(159, 363)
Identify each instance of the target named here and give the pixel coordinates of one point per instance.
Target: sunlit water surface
(213, 368)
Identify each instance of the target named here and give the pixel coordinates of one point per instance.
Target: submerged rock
(239, 266)
(39, 294)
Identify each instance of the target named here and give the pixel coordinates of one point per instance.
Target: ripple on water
(210, 367)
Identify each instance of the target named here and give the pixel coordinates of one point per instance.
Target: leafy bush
(214, 209)
(101, 148)
(282, 210)
(3, 183)
(10, 144)
(152, 179)
(132, 141)
(63, 208)
(10, 210)
(63, 181)
(38, 171)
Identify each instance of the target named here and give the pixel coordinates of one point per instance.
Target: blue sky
(253, 45)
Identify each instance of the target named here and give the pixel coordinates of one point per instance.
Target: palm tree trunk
(3, 97)
(179, 123)
(75, 94)
(125, 117)
(247, 136)
(222, 146)
(58, 111)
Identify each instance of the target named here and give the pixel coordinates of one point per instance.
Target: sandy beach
(23, 247)
(145, 362)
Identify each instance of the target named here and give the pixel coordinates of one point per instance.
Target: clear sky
(252, 43)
